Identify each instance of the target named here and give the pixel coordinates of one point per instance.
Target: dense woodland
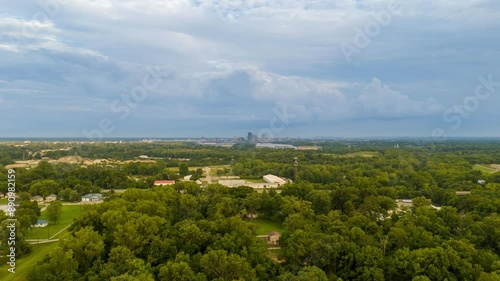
(339, 213)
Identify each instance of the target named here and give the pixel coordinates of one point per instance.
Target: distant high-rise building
(264, 137)
(251, 137)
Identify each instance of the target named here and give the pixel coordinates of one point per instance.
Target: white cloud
(380, 101)
(32, 35)
(236, 59)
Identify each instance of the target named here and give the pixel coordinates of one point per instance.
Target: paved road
(208, 176)
(36, 241)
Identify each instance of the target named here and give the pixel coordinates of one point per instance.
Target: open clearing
(23, 265)
(487, 168)
(69, 212)
(264, 226)
(358, 154)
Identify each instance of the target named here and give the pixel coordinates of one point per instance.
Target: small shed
(40, 223)
(273, 237)
(250, 216)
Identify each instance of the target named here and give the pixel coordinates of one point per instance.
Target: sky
(284, 68)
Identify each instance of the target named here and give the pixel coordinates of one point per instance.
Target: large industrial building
(271, 181)
(275, 146)
(274, 179)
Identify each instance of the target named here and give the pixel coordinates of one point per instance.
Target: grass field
(69, 212)
(264, 226)
(275, 251)
(484, 169)
(358, 154)
(4, 201)
(25, 263)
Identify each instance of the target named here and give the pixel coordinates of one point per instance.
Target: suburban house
(37, 198)
(40, 223)
(408, 203)
(92, 197)
(250, 216)
(273, 238)
(51, 198)
(164, 182)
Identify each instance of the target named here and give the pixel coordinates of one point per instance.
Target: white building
(51, 198)
(164, 182)
(256, 185)
(275, 146)
(92, 197)
(37, 198)
(274, 179)
(40, 223)
(233, 183)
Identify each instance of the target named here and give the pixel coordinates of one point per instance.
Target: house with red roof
(164, 182)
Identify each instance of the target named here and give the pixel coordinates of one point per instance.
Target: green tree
(308, 273)
(218, 265)
(54, 211)
(59, 264)
(87, 247)
(183, 169)
(179, 271)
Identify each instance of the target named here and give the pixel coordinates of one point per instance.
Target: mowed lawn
(24, 264)
(264, 226)
(484, 169)
(69, 212)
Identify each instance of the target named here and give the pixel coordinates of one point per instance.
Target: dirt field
(495, 166)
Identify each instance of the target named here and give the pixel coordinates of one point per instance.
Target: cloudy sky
(192, 68)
